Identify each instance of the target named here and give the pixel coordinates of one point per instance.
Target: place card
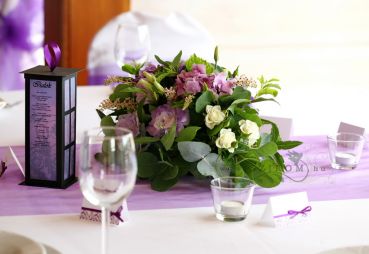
(118, 213)
(287, 209)
(346, 127)
(10, 156)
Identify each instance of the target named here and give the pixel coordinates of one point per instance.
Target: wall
(319, 50)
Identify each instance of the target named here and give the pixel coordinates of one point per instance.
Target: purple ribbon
(52, 54)
(116, 214)
(293, 213)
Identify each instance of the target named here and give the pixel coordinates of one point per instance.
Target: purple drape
(21, 39)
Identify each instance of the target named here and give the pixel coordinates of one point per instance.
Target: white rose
(250, 128)
(214, 116)
(226, 140)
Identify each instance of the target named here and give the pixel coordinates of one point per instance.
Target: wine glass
(132, 44)
(107, 170)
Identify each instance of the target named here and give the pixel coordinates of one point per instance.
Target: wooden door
(73, 23)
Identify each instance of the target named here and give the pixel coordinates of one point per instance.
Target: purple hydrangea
(191, 82)
(129, 121)
(163, 118)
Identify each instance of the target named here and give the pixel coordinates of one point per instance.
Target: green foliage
(268, 87)
(206, 98)
(197, 149)
(132, 69)
(194, 59)
(187, 134)
(168, 139)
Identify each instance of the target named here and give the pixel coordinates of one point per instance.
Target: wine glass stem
(105, 219)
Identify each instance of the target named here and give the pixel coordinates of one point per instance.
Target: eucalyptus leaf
(212, 165)
(193, 151)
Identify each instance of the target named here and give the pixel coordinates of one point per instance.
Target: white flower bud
(214, 116)
(251, 129)
(226, 140)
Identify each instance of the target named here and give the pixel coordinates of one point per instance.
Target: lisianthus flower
(164, 117)
(226, 140)
(129, 121)
(251, 129)
(214, 116)
(221, 85)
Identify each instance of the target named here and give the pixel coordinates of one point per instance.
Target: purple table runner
(307, 170)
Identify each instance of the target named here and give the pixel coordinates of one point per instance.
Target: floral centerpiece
(195, 117)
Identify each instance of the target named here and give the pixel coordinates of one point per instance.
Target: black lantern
(50, 126)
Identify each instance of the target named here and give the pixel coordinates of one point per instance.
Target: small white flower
(250, 128)
(227, 140)
(214, 116)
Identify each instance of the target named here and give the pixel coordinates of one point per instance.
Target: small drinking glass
(107, 171)
(132, 44)
(345, 150)
(232, 197)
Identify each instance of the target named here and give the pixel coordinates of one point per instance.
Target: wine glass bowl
(107, 170)
(132, 44)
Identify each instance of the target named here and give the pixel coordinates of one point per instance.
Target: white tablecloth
(12, 120)
(196, 230)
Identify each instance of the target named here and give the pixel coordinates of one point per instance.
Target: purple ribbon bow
(52, 54)
(293, 213)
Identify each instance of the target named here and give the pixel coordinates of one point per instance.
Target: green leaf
(100, 113)
(160, 184)
(280, 161)
(274, 133)
(238, 93)
(268, 175)
(168, 139)
(197, 60)
(193, 151)
(285, 145)
(131, 89)
(260, 99)
(235, 72)
(145, 140)
(107, 121)
(147, 164)
(161, 61)
(268, 149)
(272, 85)
(206, 98)
(129, 68)
(212, 165)
(267, 90)
(177, 59)
(169, 172)
(216, 55)
(187, 134)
